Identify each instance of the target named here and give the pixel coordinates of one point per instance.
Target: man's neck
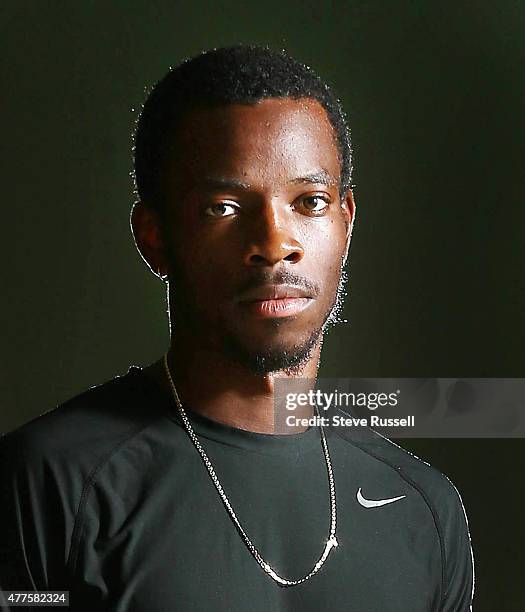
(229, 393)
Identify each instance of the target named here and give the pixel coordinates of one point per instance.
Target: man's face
(255, 230)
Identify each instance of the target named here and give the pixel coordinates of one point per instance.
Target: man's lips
(275, 300)
(273, 292)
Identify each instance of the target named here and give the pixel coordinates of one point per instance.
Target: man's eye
(315, 204)
(222, 209)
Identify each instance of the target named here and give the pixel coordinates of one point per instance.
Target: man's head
(243, 170)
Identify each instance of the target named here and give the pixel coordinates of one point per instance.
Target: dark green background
(434, 92)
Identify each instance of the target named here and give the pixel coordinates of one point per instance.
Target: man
(169, 488)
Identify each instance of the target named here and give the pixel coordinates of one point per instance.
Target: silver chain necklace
(331, 542)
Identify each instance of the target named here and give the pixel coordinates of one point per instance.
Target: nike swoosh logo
(375, 503)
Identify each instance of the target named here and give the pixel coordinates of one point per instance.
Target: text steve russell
(340, 421)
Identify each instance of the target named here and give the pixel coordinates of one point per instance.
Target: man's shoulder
(443, 502)
(431, 490)
(89, 423)
(433, 487)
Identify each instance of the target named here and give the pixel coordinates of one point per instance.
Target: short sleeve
(32, 517)
(458, 557)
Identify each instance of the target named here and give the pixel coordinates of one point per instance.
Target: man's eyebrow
(221, 182)
(321, 177)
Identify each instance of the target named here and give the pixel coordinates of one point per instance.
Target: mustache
(283, 277)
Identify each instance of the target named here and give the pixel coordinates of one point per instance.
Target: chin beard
(290, 360)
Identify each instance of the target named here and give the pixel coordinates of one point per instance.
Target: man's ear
(348, 207)
(146, 228)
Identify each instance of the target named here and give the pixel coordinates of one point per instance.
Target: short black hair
(243, 74)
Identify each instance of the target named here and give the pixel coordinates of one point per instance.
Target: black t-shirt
(106, 497)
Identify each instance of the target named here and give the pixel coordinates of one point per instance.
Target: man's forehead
(293, 138)
(265, 113)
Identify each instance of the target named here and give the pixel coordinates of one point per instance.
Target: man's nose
(272, 240)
